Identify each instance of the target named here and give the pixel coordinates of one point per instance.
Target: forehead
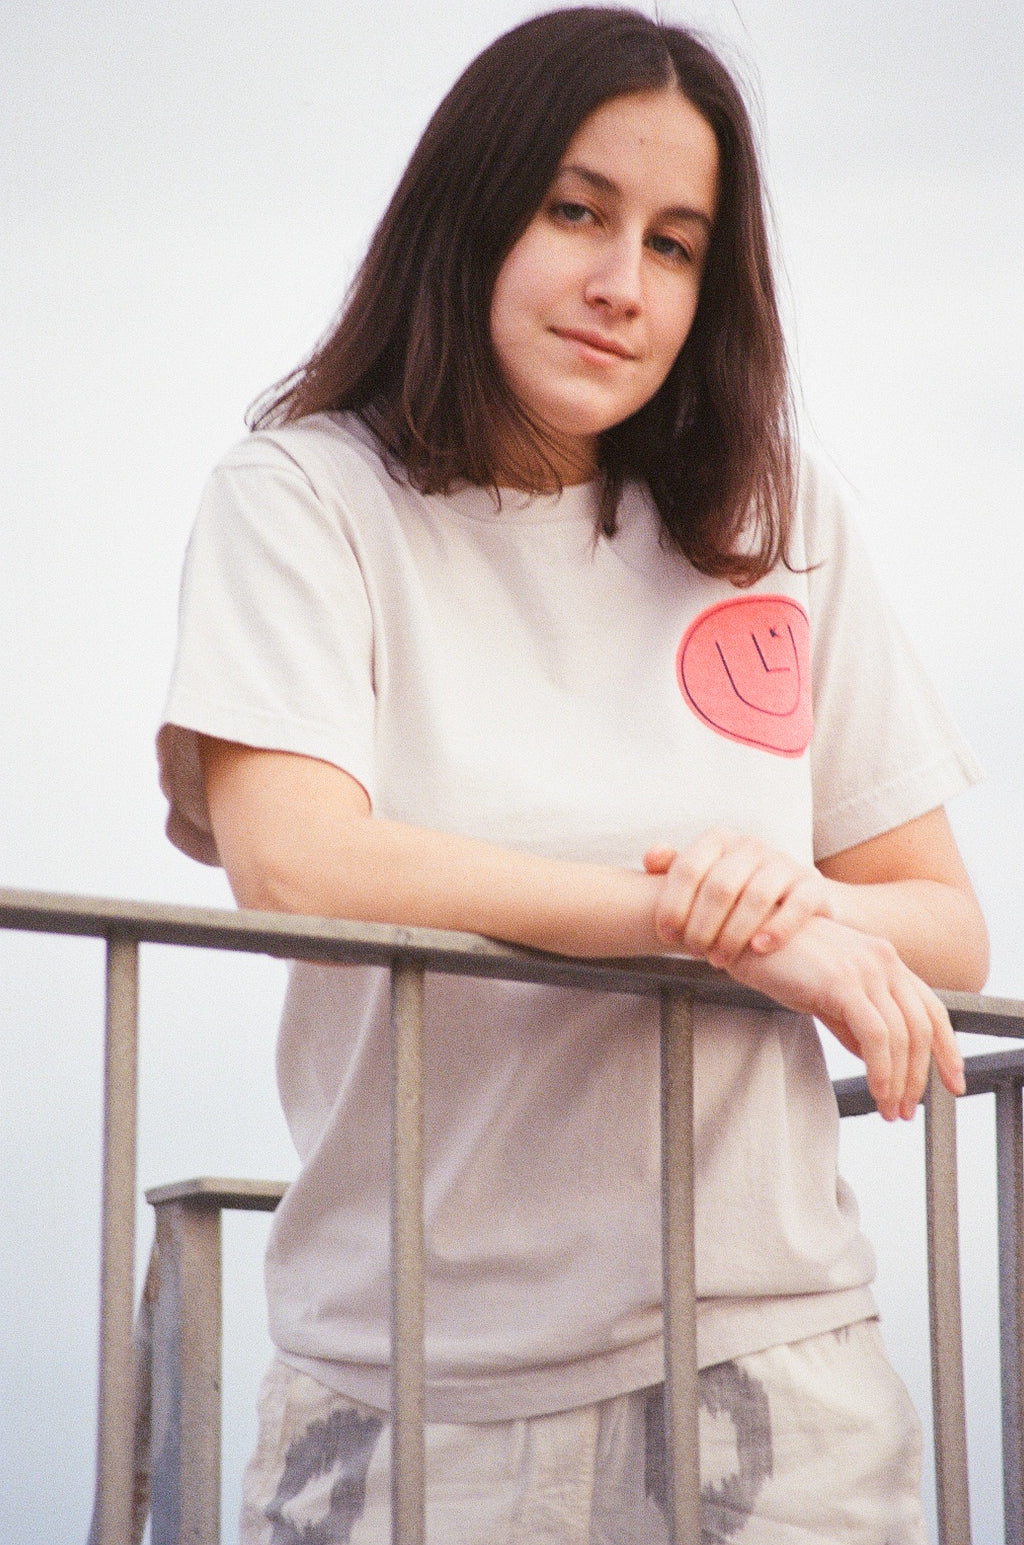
(654, 146)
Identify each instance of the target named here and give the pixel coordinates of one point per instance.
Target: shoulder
(323, 472)
(828, 547)
(825, 521)
(328, 451)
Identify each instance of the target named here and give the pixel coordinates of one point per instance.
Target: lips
(597, 341)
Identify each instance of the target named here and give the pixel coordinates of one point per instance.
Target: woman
(517, 615)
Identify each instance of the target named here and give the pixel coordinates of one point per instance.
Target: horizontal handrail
(679, 982)
(985, 1074)
(291, 936)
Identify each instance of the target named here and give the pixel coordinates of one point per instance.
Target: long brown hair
(411, 351)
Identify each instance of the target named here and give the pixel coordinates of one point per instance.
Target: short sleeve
(884, 749)
(275, 646)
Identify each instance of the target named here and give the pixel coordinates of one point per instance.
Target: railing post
(679, 1269)
(408, 1514)
(951, 1485)
(115, 1444)
(186, 1368)
(1010, 1188)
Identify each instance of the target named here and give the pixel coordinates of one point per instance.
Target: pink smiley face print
(744, 667)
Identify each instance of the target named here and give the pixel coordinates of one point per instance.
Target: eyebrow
(602, 184)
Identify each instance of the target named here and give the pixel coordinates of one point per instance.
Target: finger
(776, 902)
(874, 1039)
(898, 1030)
(807, 897)
(911, 996)
(659, 860)
(948, 1058)
(856, 1022)
(721, 900)
(682, 881)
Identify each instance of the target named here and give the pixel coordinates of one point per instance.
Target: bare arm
(858, 987)
(296, 835)
(855, 945)
(910, 886)
(726, 894)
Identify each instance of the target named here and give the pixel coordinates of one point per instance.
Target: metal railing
(679, 984)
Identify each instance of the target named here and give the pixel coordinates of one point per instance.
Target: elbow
(976, 969)
(967, 961)
(262, 886)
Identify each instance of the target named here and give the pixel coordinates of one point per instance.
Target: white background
(186, 190)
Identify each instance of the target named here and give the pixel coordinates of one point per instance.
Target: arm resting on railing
(296, 834)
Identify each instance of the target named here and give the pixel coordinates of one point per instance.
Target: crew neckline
(577, 502)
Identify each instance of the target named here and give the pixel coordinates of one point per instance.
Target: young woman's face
(596, 298)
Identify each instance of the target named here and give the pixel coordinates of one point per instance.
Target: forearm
(296, 835)
(385, 871)
(937, 928)
(910, 886)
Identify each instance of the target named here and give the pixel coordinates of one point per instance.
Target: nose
(614, 281)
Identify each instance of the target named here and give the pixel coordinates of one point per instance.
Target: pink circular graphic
(744, 667)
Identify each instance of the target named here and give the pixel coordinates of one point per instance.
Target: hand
(874, 1005)
(725, 894)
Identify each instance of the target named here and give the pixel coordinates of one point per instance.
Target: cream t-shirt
(500, 672)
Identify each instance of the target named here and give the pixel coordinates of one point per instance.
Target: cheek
(676, 320)
(509, 305)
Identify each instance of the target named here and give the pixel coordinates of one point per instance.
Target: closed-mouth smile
(597, 341)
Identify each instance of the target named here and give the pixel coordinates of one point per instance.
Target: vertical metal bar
(1010, 1188)
(186, 1374)
(679, 1269)
(115, 1459)
(142, 1351)
(952, 1494)
(408, 1511)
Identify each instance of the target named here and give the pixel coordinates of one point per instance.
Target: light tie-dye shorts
(815, 1443)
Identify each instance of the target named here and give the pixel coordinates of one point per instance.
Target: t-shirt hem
(726, 1329)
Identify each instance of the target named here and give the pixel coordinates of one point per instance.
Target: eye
(568, 212)
(670, 247)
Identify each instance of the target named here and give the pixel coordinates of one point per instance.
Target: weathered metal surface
(984, 1015)
(330, 939)
(1010, 1191)
(951, 1484)
(317, 938)
(186, 1375)
(232, 1195)
(142, 1359)
(678, 1265)
(407, 1323)
(984, 1074)
(116, 1429)
(125, 924)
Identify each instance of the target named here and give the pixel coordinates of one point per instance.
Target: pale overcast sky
(185, 192)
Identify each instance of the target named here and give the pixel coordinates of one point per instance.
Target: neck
(543, 465)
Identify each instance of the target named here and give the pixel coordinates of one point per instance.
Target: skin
(596, 298)
(589, 311)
